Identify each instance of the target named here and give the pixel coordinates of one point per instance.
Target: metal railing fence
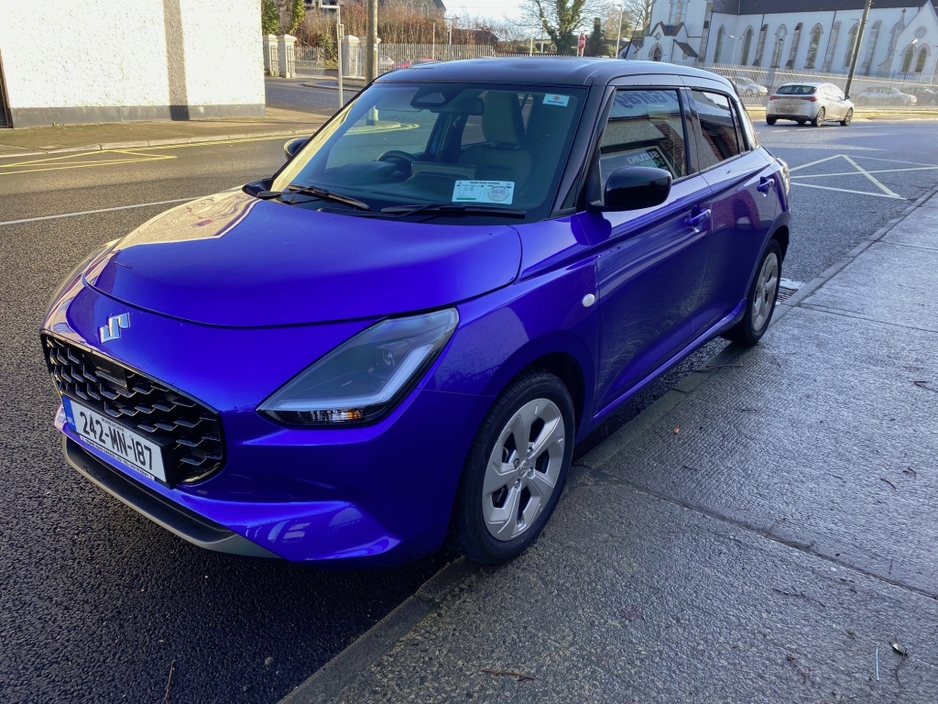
(866, 90)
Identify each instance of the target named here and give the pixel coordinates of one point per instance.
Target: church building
(900, 39)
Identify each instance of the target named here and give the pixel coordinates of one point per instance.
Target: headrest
(502, 122)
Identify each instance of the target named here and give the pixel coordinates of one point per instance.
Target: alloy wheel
(523, 469)
(766, 290)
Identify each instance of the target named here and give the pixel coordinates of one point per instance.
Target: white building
(900, 39)
(107, 61)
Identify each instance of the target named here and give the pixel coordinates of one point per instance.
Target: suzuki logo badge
(112, 331)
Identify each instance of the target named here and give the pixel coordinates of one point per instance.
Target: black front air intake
(189, 430)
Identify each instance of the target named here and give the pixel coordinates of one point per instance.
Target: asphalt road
(96, 602)
(292, 94)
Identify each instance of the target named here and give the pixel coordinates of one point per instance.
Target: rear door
(745, 183)
(650, 262)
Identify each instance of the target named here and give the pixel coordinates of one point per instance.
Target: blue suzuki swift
(398, 338)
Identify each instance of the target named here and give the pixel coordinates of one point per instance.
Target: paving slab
(632, 598)
(894, 284)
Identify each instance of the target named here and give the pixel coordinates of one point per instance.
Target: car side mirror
(846, 97)
(636, 187)
(293, 146)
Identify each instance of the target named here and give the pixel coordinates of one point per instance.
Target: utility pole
(339, 33)
(619, 33)
(371, 29)
(856, 48)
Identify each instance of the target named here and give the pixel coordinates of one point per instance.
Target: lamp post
(619, 32)
(856, 48)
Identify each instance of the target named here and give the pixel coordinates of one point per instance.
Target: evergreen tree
(297, 15)
(270, 18)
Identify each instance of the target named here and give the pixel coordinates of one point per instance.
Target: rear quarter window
(720, 131)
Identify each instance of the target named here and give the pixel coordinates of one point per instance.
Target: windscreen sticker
(553, 99)
(500, 192)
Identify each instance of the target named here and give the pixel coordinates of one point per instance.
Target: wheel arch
(562, 355)
(781, 235)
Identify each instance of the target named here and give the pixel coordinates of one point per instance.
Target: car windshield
(793, 89)
(442, 143)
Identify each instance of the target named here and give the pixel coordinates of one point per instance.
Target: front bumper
(173, 517)
(378, 494)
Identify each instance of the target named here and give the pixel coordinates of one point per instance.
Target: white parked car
(885, 95)
(748, 87)
(809, 102)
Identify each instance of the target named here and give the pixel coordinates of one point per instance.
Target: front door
(650, 262)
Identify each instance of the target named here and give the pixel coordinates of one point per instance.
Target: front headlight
(362, 379)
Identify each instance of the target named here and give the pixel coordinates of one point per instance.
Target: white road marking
(92, 212)
(843, 190)
(814, 163)
(885, 191)
(897, 161)
(872, 178)
(869, 171)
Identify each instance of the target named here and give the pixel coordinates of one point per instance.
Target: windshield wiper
(321, 193)
(455, 209)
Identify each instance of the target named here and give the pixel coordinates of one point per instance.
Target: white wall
(113, 60)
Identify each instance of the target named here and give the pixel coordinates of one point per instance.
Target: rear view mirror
(293, 146)
(636, 187)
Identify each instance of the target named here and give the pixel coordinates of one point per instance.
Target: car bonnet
(233, 260)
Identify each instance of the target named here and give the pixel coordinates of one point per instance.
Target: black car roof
(552, 71)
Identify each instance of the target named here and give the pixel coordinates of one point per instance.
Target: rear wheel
(760, 303)
(516, 469)
(771, 120)
(848, 118)
(819, 118)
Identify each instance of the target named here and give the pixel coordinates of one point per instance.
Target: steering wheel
(401, 158)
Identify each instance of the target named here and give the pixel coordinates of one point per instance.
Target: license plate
(133, 449)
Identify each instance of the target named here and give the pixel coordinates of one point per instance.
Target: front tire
(819, 118)
(760, 302)
(516, 469)
(848, 118)
(771, 120)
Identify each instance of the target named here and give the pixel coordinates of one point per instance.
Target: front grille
(189, 431)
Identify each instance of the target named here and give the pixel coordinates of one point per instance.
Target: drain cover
(786, 289)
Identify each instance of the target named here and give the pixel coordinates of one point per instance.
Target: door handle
(695, 220)
(765, 183)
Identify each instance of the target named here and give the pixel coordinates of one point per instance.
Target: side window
(721, 139)
(645, 128)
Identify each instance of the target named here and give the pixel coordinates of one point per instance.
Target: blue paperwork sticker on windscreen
(500, 192)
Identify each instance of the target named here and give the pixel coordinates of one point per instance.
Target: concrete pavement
(764, 533)
(129, 135)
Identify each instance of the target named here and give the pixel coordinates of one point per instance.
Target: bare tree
(561, 19)
(638, 12)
